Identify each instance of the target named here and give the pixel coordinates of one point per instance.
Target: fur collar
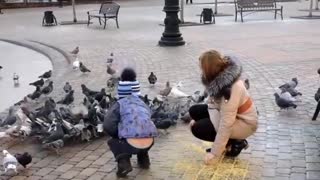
(225, 78)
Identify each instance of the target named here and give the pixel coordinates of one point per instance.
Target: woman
(230, 116)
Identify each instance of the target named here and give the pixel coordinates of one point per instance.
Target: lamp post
(171, 35)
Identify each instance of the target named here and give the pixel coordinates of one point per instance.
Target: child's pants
(122, 149)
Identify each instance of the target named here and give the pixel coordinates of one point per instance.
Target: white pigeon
(287, 96)
(175, 92)
(3, 135)
(9, 162)
(76, 64)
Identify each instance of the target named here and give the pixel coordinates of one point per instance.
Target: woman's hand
(192, 122)
(210, 159)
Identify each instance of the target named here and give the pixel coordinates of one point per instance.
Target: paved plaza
(286, 144)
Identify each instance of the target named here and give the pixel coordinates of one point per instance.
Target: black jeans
(122, 149)
(316, 113)
(203, 127)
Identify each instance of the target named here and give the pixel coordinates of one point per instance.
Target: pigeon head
(83, 86)
(72, 91)
(51, 83)
(5, 152)
(80, 63)
(167, 84)
(152, 73)
(318, 71)
(38, 88)
(295, 80)
(103, 90)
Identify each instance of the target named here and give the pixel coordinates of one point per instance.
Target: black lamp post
(171, 35)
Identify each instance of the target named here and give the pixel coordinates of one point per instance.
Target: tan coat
(227, 120)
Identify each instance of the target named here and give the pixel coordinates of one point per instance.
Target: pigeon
(67, 87)
(86, 91)
(76, 64)
(48, 89)
(197, 97)
(317, 95)
(103, 103)
(46, 75)
(292, 84)
(55, 145)
(75, 51)
(282, 103)
(15, 78)
(319, 71)
(23, 159)
(55, 135)
(175, 92)
(9, 162)
(163, 124)
(110, 70)
(186, 118)
(112, 82)
(110, 59)
(37, 83)
(152, 78)
(83, 68)
(47, 109)
(1, 67)
(65, 113)
(146, 99)
(287, 96)
(10, 119)
(166, 91)
(100, 95)
(247, 84)
(291, 90)
(68, 99)
(36, 94)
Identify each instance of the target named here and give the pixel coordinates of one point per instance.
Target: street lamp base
(171, 41)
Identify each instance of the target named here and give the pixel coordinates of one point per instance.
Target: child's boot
(236, 147)
(143, 160)
(124, 165)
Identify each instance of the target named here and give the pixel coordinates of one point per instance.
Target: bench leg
(214, 19)
(281, 12)
(275, 14)
(117, 22)
(88, 20)
(105, 23)
(241, 16)
(236, 17)
(100, 21)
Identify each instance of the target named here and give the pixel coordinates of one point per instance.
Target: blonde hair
(211, 64)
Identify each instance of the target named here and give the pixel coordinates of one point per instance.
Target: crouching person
(129, 124)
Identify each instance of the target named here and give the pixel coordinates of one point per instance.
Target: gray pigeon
(9, 162)
(37, 83)
(83, 68)
(10, 119)
(152, 78)
(36, 94)
(68, 99)
(110, 59)
(67, 87)
(56, 134)
(166, 91)
(292, 84)
(291, 90)
(283, 103)
(55, 145)
(48, 89)
(110, 70)
(75, 51)
(46, 75)
(319, 71)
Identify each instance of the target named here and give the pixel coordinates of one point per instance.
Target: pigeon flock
(58, 122)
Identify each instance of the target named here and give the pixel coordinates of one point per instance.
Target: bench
(108, 10)
(255, 6)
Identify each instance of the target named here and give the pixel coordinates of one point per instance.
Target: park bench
(108, 10)
(256, 6)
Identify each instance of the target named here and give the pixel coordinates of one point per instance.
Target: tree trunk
(317, 5)
(182, 11)
(74, 11)
(310, 10)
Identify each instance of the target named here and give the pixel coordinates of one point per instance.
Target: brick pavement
(286, 145)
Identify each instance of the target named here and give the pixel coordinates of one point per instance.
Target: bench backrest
(255, 4)
(109, 8)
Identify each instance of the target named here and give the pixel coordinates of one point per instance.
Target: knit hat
(126, 88)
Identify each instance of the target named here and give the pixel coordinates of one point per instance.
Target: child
(129, 124)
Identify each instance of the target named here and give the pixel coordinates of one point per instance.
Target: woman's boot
(236, 147)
